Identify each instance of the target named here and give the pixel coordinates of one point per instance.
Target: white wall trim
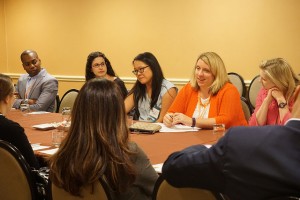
(128, 80)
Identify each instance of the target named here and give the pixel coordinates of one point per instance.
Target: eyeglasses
(141, 70)
(97, 65)
(33, 62)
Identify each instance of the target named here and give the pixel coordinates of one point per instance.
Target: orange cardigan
(225, 106)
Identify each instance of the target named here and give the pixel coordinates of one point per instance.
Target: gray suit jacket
(44, 90)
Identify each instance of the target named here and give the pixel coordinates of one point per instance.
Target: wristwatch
(25, 101)
(282, 105)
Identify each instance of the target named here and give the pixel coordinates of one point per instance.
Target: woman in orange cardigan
(209, 97)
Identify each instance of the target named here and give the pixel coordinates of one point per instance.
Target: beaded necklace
(203, 106)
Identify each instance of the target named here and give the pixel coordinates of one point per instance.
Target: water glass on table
(24, 107)
(66, 114)
(130, 120)
(218, 130)
(57, 137)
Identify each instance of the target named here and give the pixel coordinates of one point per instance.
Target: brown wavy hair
(97, 142)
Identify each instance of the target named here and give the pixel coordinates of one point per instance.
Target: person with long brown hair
(97, 145)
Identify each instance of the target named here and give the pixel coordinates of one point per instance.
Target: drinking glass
(57, 137)
(218, 130)
(66, 114)
(24, 107)
(129, 120)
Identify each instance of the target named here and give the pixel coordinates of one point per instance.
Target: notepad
(177, 128)
(38, 147)
(158, 167)
(47, 126)
(50, 151)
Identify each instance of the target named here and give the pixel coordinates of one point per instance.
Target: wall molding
(127, 80)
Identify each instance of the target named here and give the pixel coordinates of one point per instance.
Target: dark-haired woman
(152, 94)
(98, 66)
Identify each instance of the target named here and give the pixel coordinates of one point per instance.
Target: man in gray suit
(37, 88)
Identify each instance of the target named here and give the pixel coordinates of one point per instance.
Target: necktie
(28, 87)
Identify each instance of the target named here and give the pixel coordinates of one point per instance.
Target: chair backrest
(285, 198)
(100, 192)
(16, 179)
(238, 81)
(68, 99)
(56, 105)
(246, 108)
(164, 191)
(253, 90)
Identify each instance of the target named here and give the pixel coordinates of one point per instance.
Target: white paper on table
(177, 128)
(38, 147)
(158, 167)
(37, 112)
(50, 152)
(47, 126)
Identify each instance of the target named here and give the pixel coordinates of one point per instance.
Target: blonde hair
(282, 75)
(217, 68)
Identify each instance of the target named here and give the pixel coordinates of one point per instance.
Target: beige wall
(242, 32)
(3, 59)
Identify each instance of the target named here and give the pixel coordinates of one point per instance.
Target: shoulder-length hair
(282, 75)
(6, 87)
(139, 90)
(217, 69)
(97, 142)
(88, 67)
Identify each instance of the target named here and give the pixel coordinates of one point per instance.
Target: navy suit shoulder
(247, 163)
(260, 162)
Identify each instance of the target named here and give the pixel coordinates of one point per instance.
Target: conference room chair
(254, 87)
(246, 108)
(68, 99)
(56, 105)
(100, 192)
(285, 198)
(16, 179)
(164, 191)
(238, 81)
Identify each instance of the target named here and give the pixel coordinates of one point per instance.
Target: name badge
(153, 114)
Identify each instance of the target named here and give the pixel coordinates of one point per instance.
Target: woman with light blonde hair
(209, 97)
(274, 101)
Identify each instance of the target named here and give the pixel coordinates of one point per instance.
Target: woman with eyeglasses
(98, 66)
(209, 98)
(152, 94)
(11, 131)
(95, 147)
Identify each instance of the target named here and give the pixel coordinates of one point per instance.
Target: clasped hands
(275, 93)
(171, 119)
